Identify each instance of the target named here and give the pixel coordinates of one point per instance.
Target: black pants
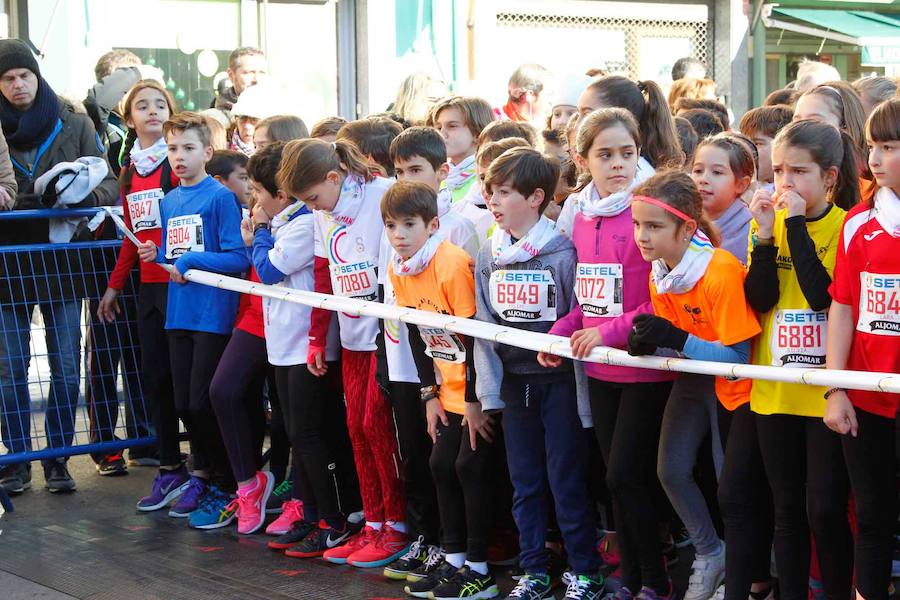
(627, 419)
(805, 467)
(236, 396)
(464, 489)
(415, 450)
(279, 445)
(156, 369)
(194, 357)
(872, 468)
(746, 503)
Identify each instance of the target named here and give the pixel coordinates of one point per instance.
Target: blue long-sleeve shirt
(263, 241)
(699, 349)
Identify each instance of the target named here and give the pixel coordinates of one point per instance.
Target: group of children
(753, 247)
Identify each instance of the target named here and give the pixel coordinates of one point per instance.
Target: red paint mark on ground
(137, 527)
(289, 572)
(209, 548)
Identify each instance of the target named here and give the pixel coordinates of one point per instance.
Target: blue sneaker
(190, 498)
(167, 486)
(216, 510)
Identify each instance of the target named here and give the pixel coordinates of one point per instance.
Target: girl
(862, 335)
(698, 296)
(143, 184)
(338, 184)
(794, 241)
(626, 403)
(281, 128)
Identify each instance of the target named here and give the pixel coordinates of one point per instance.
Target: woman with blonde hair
(695, 89)
(416, 96)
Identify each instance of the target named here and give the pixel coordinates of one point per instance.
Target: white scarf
(592, 205)
(416, 263)
(350, 201)
(145, 160)
(887, 211)
(461, 173)
(688, 271)
(444, 200)
(505, 252)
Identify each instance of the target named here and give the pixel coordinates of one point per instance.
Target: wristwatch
(259, 226)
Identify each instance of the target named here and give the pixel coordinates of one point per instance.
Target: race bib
(879, 304)
(442, 345)
(143, 209)
(355, 280)
(524, 296)
(184, 234)
(598, 288)
(798, 338)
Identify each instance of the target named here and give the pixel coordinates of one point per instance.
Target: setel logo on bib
(184, 234)
(523, 296)
(799, 338)
(143, 209)
(879, 304)
(598, 288)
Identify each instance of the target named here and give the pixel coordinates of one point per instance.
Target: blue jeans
(62, 320)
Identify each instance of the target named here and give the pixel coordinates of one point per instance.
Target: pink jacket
(611, 240)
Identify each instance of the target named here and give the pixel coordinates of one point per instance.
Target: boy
(431, 274)
(761, 125)
(373, 137)
(202, 229)
(524, 279)
(460, 120)
(230, 169)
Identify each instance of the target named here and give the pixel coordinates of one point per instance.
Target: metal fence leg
(5, 501)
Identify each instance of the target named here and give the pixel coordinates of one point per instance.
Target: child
(338, 184)
(705, 122)
(460, 120)
(419, 155)
(487, 153)
(565, 101)
(723, 170)
(701, 312)
(373, 137)
(500, 130)
(202, 229)
(794, 241)
(230, 169)
(611, 288)
(434, 275)
(761, 125)
(280, 128)
(687, 139)
(326, 129)
(143, 183)
(862, 335)
(525, 279)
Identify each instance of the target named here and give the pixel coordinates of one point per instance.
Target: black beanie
(15, 54)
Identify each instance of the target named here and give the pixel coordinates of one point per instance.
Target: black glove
(48, 198)
(650, 329)
(638, 348)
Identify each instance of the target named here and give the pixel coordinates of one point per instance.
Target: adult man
(246, 67)
(41, 132)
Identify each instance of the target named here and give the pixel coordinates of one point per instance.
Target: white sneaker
(707, 574)
(720, 593)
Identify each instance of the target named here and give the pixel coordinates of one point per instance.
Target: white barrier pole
(553, 344)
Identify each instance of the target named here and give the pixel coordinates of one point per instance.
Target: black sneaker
(280, 495)
(143, 457)
(434, 560)
(414, 558)
(318, 541)
(532, 587)
(297, 533)
(112, 465)
(57, 476)
(586, 588)
(439, 574)
(15, 479)
(466, 584)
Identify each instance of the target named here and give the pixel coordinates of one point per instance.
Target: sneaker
(143, 457)
(585, 588)
(112, 465)
(216, 510)
(167, 486)
(439, 574)
(338, 554)
(291, 512)
(504, 549)
(720, 593)
(532, 587)
(707, 573)
(414, 558)
(190, 498)
(57, 477)
(387, 547)
(434, 560)
(296, 534)
(466, 583)
(623, 593)
(15, 479)
(280, 495)
(816, 589)
(610, 557)
(251, 513)
(318, 541)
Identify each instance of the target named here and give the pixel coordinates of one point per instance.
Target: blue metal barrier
(69, 384)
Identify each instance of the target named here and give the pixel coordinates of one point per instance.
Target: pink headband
(664, 206)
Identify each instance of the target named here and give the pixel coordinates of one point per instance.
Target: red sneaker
(339, 554)
(291, 512)
(384, 549)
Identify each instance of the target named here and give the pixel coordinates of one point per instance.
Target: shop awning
(878, 35)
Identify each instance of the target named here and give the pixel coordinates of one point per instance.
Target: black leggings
(872, 468)
(805, 467)
(627, 419)
(745, 500)
(464, 488)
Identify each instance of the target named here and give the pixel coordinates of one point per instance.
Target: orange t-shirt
(446, 286)
(715, 310)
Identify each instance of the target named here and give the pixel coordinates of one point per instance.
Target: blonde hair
(412, 102)
(696, 89)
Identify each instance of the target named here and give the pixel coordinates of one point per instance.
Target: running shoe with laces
(707, 574)
(15, 478)
(387, 547)
(439, 573)
(56, 476)
(466, 584)
(435, 558)
(291, 512)
(532, 587)
(190, 498)
(586, 588)
(297, 533)
(251, 513)
(112, 465)
(318, 541)
(167, 486)
(216, 510)
(414, 558)
(338, 554)
(280, 495)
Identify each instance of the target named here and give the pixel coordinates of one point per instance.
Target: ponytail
(306, 162)
(658, 128)
(355, 161)
(845, 192)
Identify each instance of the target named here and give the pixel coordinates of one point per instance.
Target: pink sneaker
(291, 512)
(383, 550)
(339, 554)
(251, 506)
